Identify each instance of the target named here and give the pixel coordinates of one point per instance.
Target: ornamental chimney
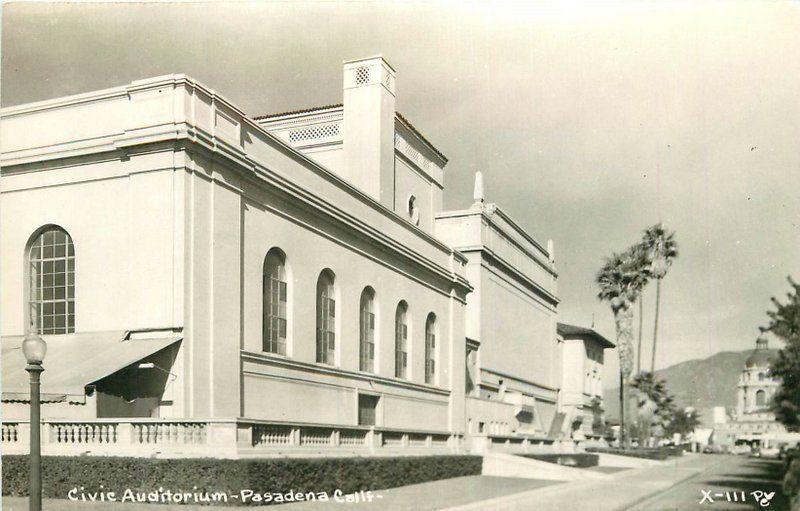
(477, 193)
(368, 127)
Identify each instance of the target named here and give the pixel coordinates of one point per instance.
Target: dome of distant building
(761, 356)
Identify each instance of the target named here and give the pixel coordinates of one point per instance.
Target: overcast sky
(590, 122)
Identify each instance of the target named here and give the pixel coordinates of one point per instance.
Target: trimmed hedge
(791, 481)
(579, 460)
(280, 475)
(655, 453)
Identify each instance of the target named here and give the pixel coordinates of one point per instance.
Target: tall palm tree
(662, 249)
(642, 261)
(620, 281)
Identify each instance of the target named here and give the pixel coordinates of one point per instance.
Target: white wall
(120, 218)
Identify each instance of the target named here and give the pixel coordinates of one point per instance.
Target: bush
(281, 475)
(791, 480)
(580, 460)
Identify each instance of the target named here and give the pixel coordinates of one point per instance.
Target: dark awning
(74, 361)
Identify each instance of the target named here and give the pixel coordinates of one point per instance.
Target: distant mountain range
(702, 384)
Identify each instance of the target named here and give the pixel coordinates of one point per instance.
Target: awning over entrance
(74, 361)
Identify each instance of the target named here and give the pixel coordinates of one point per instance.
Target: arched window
(366, 358)
(326, 318)
(401, 341)
(761, 376)
(274, 303)
(51, 295)
(430, 349)
(761, 399)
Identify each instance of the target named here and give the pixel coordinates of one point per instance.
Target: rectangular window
(275, 322)
(326, 337)
(430, 362)
(401, 351)
(367, 345)
(367, 405)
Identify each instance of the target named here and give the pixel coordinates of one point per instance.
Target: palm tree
(661, 249)
(654, 404)
(642, 261)
(620, 282)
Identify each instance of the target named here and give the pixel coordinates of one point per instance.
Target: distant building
(755, 391)
(582, 368)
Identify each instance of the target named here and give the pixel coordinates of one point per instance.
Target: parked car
(741, 449)
(772, 453)
(714, 449)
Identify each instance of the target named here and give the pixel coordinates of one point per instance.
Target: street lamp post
(34, 348)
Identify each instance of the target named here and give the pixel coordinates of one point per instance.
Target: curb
(658, 493)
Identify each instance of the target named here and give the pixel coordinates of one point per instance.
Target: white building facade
(755, 390)
(280, 284)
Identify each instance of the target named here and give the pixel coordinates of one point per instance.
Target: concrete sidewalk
(622, 491)
(428, 496)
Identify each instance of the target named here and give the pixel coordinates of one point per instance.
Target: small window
(401, 341)
(274, 313)
(761, 399)
(367, 331)
(326, 319)
(430, 349)
(413, 210)
(367, 405)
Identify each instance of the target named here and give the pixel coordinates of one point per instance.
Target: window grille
(367, 331)
(51, 302)
(401, 342)
(362, 76)
(430, 349)
(275, 297)
(326, 319)
(314, 133)
(366, 409)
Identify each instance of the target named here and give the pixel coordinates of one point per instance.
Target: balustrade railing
(82, 433)
(9, 432)
(216, 438)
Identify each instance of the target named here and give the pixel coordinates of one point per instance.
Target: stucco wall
(516, 338)
(120, 218)
(409, 182)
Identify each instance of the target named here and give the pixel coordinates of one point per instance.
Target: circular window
(413, 210)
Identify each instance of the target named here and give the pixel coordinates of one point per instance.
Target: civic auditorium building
(210, 283)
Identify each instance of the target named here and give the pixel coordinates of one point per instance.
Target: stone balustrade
(168, 438)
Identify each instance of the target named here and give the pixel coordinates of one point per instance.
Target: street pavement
(728, 478)
(679, 484)
(622, 491)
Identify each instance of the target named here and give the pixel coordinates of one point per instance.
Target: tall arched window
(366, 358)
(430, 349)
(51, 295)
(274, 302)
(401, 341)
(326, 318)
(761, 399)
